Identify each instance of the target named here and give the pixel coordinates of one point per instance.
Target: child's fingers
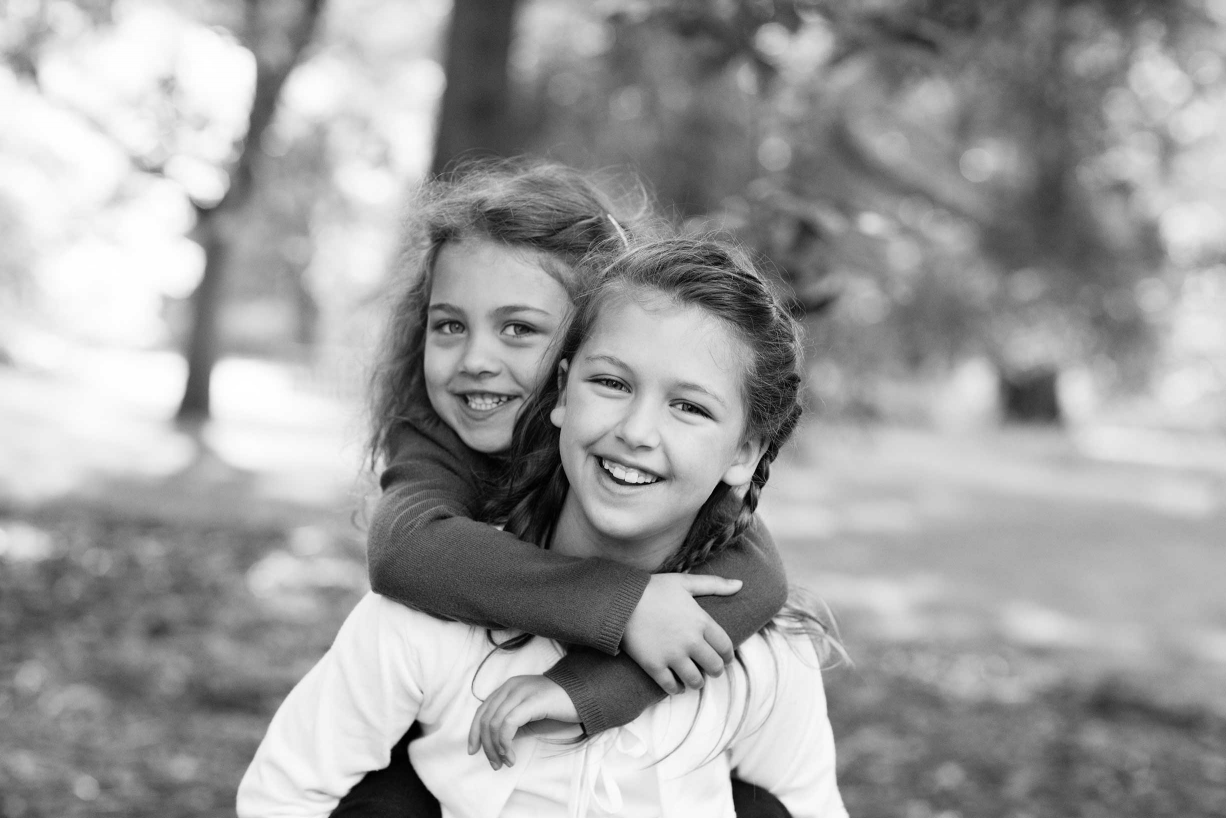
(491, 737)
(478, 731)
(689, 674)
(487, 740)
(708, 661)
(474, 730)
(719, 641)
(489, 733)
(707, 585)
(664, 677)
(514, 719)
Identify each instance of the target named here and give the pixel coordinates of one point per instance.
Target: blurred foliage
(971, 179)
(1027, 184)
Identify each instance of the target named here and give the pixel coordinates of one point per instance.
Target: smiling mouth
(627, 476)
(484, 401)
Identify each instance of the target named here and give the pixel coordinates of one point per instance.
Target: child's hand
(672, 638)
(519, 700)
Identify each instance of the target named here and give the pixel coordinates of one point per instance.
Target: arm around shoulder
(754, 560)
(427, 552)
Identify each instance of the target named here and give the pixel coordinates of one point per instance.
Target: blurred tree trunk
(476, 111)
(306, 313)
(277, 48)
(1030, 396)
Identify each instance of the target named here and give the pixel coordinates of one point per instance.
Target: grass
(1036, 632)
(141, 661)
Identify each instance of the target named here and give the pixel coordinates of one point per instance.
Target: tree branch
(269, 80)
(912, 177)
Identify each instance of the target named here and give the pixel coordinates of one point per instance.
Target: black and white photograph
(581, 408)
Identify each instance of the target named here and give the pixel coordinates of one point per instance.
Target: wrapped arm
(788, 744)
(609, 691)
(339, 722)
(427, 552)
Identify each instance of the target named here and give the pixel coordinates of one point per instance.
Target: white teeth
(485, 402)
(627, 475)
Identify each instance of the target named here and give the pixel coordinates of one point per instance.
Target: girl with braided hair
(485, 284)
(677, 381)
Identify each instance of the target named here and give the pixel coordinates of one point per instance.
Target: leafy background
(1002, 222)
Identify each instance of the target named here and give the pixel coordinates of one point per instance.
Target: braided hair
(554, 212)
(721, 280)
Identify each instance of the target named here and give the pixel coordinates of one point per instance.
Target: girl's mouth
(484, 401)
(626, 475)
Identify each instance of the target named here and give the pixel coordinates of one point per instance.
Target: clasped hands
(669, 635)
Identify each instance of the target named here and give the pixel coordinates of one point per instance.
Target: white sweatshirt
(391, 666)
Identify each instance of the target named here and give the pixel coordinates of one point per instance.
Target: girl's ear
(558, 413)
(741, 470)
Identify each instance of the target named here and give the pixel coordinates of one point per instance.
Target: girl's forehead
(488, 255)
(655, 332)
(487, 273)
(626, 310)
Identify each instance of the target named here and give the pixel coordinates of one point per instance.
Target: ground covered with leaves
(140, 661)
(1036, 617)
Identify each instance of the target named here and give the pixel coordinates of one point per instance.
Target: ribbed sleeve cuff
(590, 716)
(618, 614)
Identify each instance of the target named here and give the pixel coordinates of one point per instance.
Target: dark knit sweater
(427, 552)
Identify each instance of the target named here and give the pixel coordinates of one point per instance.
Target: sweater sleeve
(427, 552)
(609, 691)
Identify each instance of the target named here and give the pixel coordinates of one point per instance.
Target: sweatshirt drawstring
(596, 784)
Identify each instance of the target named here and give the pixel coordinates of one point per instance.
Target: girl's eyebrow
(508, 309)
(694, 387)
(685, 385)
(511, 309)
(608, 359)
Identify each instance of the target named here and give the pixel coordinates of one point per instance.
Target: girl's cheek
(540, 366)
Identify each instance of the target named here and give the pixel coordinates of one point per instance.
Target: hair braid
(719, 279)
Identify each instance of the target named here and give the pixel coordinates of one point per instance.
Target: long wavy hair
(552, 211)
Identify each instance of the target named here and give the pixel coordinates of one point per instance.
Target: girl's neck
(575, 536)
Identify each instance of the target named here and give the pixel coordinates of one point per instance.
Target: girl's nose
(479, 357)
(639, 427)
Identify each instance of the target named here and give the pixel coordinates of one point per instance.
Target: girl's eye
(610, 383)
(692, 408)
(448, 327)
(518, 330)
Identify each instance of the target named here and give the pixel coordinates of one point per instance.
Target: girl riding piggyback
(492, 270)
(647, 446)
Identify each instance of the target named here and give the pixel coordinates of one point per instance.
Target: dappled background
(1003, 223)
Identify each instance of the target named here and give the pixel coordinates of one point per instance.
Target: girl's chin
(489, 442)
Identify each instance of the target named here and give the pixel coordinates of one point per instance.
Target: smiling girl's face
(493, 312)
(652, 418)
